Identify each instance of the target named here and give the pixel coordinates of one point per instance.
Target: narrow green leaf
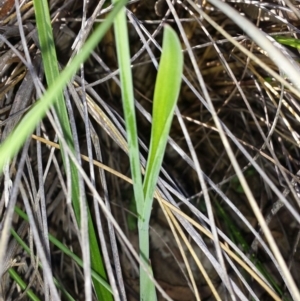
(60, 246)
(122, 45)
(23, 285)
(166, 93)
(48, 51)
(15, 140)
(12, 144)
(292, 42)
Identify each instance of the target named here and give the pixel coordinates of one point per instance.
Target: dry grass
(207, 234)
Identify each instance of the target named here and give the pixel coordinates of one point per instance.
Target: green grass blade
(292, 42)
(61, 247)
(16, 277)
(10, 147)
(166, 93)
(15, 140)
(122, 45)
(52, 72)
(13, 274)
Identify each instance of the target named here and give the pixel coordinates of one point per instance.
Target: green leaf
(48, 51)
(23, 285)
(166, 93)
(26, 126)
(122, 45)
(295, 43)
(60, 246)
(53, 95)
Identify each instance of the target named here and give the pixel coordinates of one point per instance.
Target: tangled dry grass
(202, 250)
